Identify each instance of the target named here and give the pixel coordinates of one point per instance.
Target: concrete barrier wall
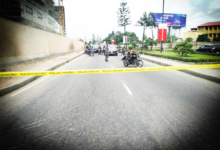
(22, 43)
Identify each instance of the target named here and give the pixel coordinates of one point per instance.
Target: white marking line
(28, 87)
(126, 87)
(111, 66)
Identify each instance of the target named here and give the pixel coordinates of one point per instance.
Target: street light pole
(143, 37)
(162, 23)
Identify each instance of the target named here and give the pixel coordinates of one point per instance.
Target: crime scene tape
(104, 71)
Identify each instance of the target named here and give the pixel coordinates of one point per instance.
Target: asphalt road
(148, 110)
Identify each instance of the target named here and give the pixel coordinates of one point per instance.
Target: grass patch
(197, 58)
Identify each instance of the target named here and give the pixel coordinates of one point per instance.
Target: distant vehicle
(96, 48)
(209, 48)
(112, 49)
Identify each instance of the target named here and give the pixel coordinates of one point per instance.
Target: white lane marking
(111, 66)
(126, 87)
(28, 87)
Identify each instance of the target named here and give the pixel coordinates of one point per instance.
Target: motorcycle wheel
(125, 63)
(139, 63)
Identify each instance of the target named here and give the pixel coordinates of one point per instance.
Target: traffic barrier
(104, 71)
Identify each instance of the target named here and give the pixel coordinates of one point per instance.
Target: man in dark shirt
(106, 52)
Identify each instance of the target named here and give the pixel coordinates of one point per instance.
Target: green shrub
(184, 59)
(203, 38)
(184, 48)
(217, 39)
(189, 39)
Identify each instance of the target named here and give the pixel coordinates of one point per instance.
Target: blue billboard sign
(174, 20)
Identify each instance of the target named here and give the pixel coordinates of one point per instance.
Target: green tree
(151, 22)
(107, 40)
(147, 42)
(189, 39)
(147, 20)
(124, 15)
(118, 37)
(143, 22)
(216, 39)
(134, 44)
(90, 42)
(171, 39)
(168, 39)
(151, 43)
(184, 48)
(156, 42)
(203, 38)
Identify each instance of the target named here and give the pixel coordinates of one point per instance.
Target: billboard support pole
(169, 30)
(162, 23)
(171, 38)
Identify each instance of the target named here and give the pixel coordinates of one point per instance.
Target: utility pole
(162, 23)
(143, 37)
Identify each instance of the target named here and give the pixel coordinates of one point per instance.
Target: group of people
(104, 50)
(88, 49)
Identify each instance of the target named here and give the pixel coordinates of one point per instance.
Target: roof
(210, 24)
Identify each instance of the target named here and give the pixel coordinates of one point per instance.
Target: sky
(85, 17)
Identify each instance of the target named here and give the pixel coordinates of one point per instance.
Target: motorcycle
(133, 61)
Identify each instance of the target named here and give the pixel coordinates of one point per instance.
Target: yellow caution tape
(99, 71)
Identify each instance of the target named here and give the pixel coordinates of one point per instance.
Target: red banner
(113, 42)
(162, 35)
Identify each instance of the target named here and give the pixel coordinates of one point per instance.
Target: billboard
(174, 20)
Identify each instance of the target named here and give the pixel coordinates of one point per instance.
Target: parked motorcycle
(133, 61)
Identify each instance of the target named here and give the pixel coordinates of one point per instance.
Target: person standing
(103, 50)
(100, 50)
(106, 52)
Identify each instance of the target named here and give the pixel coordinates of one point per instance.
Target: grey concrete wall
(19, 42)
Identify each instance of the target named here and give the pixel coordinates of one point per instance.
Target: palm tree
(124, 16)
(146, 21)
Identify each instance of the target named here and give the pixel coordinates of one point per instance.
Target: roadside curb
(207, 77)
(19, 85)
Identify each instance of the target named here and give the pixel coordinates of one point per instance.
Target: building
(36, 13)
(57, 18)
(212, 29)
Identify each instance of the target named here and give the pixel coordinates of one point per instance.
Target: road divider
(104, 71)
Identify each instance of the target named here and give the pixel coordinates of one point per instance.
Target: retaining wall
(22, 43)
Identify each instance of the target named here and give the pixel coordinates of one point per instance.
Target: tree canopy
(118, 37)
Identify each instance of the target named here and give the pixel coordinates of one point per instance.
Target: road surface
(148, 110)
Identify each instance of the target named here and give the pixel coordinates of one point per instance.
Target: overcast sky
(85, 17)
